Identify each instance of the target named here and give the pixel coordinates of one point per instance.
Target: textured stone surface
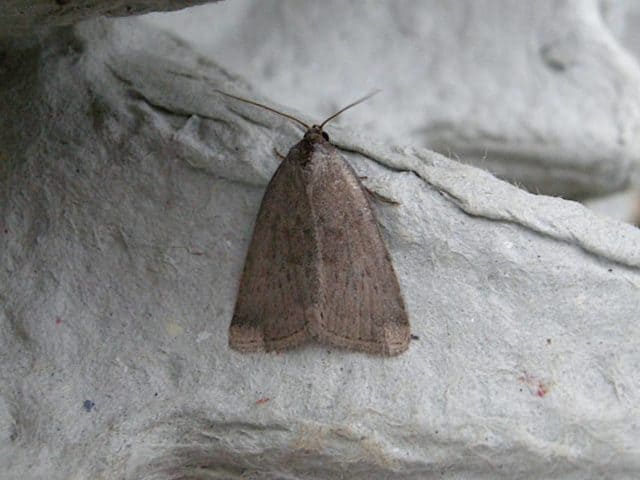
(128, 189)
(19, 17)
(540, 93)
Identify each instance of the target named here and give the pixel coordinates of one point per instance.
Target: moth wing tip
(246, 339)
(287, 343)
(397, 337)
(393, 340)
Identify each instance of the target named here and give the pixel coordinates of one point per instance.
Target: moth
(317, 266)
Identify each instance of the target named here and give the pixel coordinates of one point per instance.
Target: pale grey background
(127, 196)
(541, 93)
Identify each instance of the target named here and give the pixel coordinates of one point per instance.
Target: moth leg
(381, 198)
(375, 195)
(278, 154)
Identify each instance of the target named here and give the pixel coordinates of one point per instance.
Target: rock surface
(540, 93)
(128, 190)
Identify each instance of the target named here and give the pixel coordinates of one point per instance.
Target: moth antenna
(251, 102)
(366, 97)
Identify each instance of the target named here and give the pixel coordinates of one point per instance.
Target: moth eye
(325, 136)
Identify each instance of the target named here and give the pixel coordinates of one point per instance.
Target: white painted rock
(128, 193)
(540, 93)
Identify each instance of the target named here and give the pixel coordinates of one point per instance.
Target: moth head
(317, 130)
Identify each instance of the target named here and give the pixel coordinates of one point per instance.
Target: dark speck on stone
(88, 405)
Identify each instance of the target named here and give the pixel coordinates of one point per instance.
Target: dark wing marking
(361, 305)
(279, 278)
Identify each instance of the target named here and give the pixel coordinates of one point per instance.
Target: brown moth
(317, 266)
